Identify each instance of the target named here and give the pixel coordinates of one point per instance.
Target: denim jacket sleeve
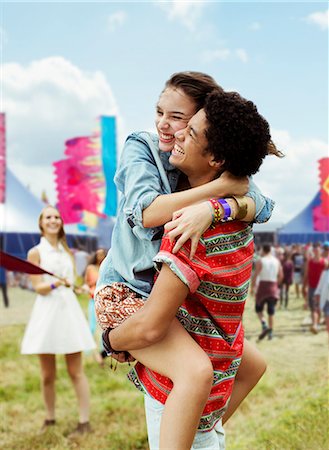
(264, 205)
(140, 178)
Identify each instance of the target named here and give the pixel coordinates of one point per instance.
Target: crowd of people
(299, 267)
(186, 203)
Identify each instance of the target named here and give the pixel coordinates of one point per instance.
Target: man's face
(189, 152)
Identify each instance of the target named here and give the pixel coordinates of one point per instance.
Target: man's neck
(196, 180)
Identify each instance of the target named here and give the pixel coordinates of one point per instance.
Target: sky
(64, 64)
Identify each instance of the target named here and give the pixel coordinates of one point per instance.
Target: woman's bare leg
(48, 377)
(251, 370)
(181, 359)
(80, 383)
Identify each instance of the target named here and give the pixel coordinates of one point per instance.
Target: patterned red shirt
(218, 278)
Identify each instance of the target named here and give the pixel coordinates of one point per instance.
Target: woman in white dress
(57, 324)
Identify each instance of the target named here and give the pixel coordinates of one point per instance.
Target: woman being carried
(143, 183)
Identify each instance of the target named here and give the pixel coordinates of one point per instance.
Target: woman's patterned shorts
(116, 303)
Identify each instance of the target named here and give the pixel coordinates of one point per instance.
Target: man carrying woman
(143, 183)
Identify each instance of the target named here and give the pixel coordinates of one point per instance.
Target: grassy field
(288, 410)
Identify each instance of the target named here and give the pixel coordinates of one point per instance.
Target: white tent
(19, 219)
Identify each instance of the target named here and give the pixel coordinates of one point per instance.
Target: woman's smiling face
(173, 111)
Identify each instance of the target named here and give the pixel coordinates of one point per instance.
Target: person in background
(81, 258)
(288, 271)
(3, 286)
(298, 261)
(57, 324)
(268, 275)
(312, 273)
(325, 251)
(90, 280)
(321, 294)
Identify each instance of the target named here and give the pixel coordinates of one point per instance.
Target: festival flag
(2, 158)
(321, 212)
(15, 264)
(108, 142)
(84, 192)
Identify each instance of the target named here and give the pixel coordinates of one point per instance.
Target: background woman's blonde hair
(61, 233)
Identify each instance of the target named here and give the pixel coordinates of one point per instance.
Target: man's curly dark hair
(236, 133)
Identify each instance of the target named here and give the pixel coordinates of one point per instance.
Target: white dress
(57, 323)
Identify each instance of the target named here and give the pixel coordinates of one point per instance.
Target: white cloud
(241, 55)
(320, 18)
(115, 20)
(46, 103)
(185, 11)
(293, 180)
(254, 26)
(223, 54)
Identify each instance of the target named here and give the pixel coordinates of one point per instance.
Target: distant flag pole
(2, 158)
(109, 159)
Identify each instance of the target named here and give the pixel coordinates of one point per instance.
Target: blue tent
(19, 229)
(300, 228)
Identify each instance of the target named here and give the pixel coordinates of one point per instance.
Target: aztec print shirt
(218, 279)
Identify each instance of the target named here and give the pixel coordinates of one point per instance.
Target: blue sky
(63, 64)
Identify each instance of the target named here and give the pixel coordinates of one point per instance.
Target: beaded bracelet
(217, 210)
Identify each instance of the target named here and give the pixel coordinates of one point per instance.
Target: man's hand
(189, 223)
(232, 185)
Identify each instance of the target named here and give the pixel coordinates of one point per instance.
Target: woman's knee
(202, 374)
(48, 378)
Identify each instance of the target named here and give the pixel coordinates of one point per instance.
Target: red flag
(15, 264)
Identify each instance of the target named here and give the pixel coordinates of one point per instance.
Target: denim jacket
(143, 174)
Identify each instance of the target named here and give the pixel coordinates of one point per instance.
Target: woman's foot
(82, 428)
(46, 424)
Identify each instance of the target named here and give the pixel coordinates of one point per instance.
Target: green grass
(288, 409)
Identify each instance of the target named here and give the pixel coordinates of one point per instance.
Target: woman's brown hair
(196, 85)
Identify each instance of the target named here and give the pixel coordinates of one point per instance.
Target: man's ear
(216, 164)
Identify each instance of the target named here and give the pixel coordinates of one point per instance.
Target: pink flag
(80, 180)
(321, 212)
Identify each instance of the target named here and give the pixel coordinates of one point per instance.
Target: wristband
(53, 286)
(227, 210)
(106, 342)
(243, 207)
(217, 211)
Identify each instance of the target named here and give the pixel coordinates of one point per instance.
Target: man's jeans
(207, 440)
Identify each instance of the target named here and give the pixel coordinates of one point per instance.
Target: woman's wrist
(223, 209)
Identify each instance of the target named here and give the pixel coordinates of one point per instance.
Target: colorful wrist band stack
(221, 210)
(227, 210)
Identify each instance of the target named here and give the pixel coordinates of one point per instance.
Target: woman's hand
(189, 223)
(65, 282)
